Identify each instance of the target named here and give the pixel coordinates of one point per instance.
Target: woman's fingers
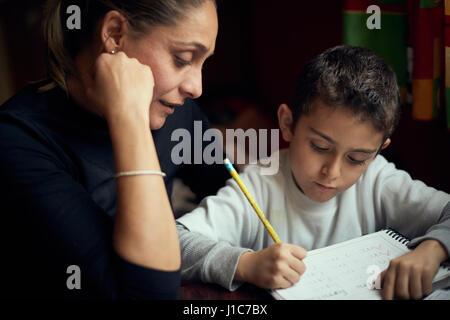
(119, 84)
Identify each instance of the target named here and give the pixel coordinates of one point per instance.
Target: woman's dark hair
(353, 78)
(64, 44)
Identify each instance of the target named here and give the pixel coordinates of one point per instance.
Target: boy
(332, 186)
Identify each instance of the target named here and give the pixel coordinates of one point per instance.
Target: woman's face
(176, 55)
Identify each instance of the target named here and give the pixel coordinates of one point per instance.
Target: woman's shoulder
(46, 113)
(17, 112)
(28, 100)
(29, 120)
(19, 129)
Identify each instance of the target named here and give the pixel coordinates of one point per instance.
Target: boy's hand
(410, 276)
(278, 266)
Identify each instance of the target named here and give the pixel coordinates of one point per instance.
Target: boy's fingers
(281, 281)
(427, 283)
(284, 283)
(387, 279)
(415, 285)
(297, 265)
(291, 276)
(288, 274)
(298, 252)
(402, 284)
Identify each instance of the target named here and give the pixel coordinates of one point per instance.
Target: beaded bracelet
(141, 172)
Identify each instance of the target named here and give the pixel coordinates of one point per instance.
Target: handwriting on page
(342, 274)
(381, 250)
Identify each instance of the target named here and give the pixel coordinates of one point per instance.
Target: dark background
(261, 47)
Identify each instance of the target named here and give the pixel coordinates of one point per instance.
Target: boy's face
(329, 149)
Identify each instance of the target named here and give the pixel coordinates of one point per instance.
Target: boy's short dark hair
(354, 78)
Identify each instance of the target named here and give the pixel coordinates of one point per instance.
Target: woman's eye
(181, 62)
(317, 148)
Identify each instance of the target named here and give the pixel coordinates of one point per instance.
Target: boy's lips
(324, 187)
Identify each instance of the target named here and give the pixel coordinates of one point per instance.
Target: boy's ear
(386, 144)
(285, 121)
(113, 28)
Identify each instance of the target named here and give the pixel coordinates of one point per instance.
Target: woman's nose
(192, 84)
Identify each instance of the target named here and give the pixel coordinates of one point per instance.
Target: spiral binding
(404, 240)
(397, 236)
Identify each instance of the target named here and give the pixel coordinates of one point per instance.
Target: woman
(130, 66)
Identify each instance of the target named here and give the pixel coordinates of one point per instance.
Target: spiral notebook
(349, 270)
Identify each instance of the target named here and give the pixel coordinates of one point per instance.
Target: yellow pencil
(244, 189)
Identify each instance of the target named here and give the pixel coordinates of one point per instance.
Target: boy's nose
(332, 169)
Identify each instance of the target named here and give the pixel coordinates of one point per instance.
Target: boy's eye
(356, 162)
(317, 148)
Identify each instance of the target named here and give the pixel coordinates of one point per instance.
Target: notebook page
(341, 271)
(440, 294)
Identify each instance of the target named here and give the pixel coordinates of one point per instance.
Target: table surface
(202, 291)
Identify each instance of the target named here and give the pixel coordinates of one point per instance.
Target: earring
(113, 51)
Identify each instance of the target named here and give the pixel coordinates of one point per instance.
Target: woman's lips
(170, 107)
(170, 104)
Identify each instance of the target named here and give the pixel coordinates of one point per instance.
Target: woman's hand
(278, 266)
(121, 90)
(118, 86)
(410, 276)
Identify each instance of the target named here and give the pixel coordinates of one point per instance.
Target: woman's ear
(113, 28)
(285, 121)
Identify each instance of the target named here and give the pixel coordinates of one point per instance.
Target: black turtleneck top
(58, 199)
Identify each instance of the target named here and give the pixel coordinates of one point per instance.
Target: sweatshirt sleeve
(207, 260)
(439, 231)
(48, 206)
(409, 206)
(214, 235)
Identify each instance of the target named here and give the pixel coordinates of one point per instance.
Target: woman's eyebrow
(198, 46)
(368, 151)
